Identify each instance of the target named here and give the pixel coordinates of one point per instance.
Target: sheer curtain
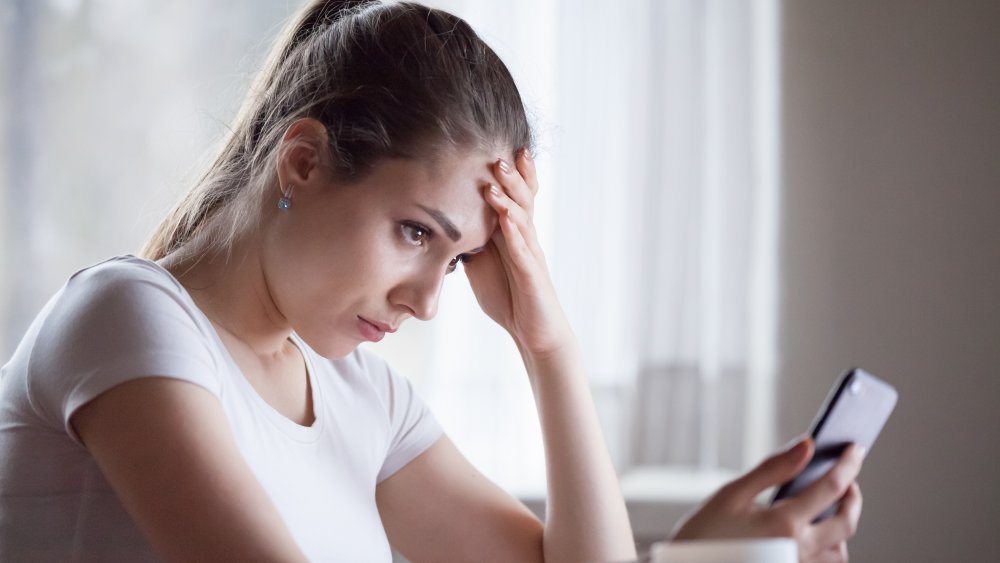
(106, 110)
(657, 154)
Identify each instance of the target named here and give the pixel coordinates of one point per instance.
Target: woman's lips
(370, 331)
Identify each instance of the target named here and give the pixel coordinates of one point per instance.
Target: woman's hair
(395, 80)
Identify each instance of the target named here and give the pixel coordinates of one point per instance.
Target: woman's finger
(498, 240)
(526, 166)
(825, 557)
(517, 248)
(842, 552)
(826, 490)
(505, 206)
(515, 186)
(520, 256)
(841, 526)
(774, 470)
(836, 554)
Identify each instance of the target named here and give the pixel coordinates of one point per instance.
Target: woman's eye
(414, 234)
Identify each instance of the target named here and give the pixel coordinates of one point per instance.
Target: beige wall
(891, 255)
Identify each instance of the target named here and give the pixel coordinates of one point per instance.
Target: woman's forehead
(451, 180)
(450, 185)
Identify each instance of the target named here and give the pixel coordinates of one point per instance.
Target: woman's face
(349, 263)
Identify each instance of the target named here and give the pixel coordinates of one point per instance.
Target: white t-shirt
(127, 318)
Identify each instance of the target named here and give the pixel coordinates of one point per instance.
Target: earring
(285, 201)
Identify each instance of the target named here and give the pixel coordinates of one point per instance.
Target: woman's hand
(731, 512)
(510, 278)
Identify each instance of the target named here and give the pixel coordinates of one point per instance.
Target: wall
(891, 255)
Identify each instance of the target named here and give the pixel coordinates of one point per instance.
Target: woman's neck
(231, 289)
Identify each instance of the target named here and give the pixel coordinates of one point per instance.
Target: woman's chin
(331, 348)
(336, 350)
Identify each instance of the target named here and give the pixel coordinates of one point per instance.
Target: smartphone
(855, 411)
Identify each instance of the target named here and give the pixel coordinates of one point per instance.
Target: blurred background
(739, 200)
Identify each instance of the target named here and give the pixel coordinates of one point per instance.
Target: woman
(208, 401)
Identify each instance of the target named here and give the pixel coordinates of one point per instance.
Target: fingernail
(862, 451)
(527, 154)
(504, 166)
(494, 190)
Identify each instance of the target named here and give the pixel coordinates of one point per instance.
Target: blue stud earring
(285, 201)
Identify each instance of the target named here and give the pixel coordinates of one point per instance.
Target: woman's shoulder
(118, 271)
(121, 286)
(120, 319)
(118, 297)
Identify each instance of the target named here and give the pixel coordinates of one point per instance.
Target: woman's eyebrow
(446, 225)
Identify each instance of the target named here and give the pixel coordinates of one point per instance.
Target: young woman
(208, 401)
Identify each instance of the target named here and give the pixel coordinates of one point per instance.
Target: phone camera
(856, 387)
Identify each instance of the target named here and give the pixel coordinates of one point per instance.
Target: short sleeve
(120, 320)
(412, 426)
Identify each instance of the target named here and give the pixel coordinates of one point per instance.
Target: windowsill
(672, 484)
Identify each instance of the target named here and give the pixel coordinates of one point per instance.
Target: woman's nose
(420, 294)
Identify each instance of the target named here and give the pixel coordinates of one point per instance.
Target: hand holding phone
(855, 411)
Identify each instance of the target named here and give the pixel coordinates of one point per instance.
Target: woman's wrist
(553, 353)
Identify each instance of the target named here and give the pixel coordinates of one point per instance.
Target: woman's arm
(586, 518)
(165, 447)
(439, 507)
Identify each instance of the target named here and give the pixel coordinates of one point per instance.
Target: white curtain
(107, 109)
(657, 126)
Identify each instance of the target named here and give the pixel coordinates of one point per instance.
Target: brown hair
(397, 80)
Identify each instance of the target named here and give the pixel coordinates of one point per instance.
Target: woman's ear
(303, 151)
